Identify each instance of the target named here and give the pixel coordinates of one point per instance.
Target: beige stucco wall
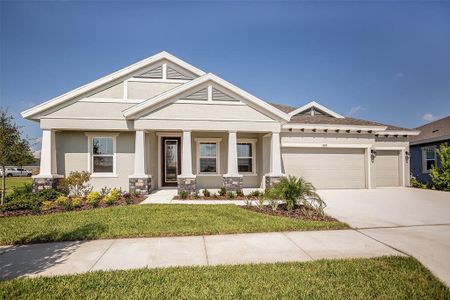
(72, 155)
(115, 92)
(146, 90)
(91, 110)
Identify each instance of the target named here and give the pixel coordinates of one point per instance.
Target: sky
(386, 61)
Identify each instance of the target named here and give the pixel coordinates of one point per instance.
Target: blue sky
(382, 61)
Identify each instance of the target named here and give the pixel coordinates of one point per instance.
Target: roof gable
(178, 69)
(216, 91)
(314, 108)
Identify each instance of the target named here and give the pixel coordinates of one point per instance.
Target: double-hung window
(208, 156)
(428, 158)
(102, 151)
(246, 156)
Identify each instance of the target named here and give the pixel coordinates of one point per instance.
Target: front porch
(194, 160)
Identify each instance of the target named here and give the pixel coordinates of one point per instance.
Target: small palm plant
(297, 191)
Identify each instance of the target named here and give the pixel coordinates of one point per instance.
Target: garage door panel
(387, 168)
(327, 168)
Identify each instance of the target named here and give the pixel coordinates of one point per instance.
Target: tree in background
(14, 150)
(440, 177)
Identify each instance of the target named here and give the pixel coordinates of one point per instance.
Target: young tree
(440, 177)
(14, 150)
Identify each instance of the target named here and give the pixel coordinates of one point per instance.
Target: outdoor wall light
(373, 154)
(407, 156)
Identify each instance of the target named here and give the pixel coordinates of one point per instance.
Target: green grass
(147, 221)
(12, 182)
(380, 278)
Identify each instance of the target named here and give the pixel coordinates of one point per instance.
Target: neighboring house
(164, 123)
(424, 145)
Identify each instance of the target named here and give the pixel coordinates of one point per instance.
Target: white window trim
(91, 136)
(253, 142)
(208, 140)
(424, 158)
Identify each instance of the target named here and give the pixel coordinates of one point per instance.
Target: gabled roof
(315, 105)
(156, 101)
(345, 121)
(109, 78)
(432, 132)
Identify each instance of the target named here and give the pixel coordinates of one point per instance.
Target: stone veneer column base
(45, 183)
(139, 185)
(187, 184)
(271, 180)
(232, 183)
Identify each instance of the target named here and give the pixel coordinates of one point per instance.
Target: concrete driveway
(414, 221)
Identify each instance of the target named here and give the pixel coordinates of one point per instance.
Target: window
(102, 155)
(246, 156)
(428, 158)
(208, 156)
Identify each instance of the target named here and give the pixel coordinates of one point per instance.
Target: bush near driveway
(376, 278)
(149, 220)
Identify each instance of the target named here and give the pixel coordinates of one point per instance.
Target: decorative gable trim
(153, 73)
(312, 106)
(116, 76)
(160, 100)
(199, 95)
(221, 96)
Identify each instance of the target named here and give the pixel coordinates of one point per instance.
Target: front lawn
(12, 182)
(149, 220)
(376, 278)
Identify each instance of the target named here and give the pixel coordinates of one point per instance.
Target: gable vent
(153, 73)
(199, 95)
(174, 74)
(220, 96)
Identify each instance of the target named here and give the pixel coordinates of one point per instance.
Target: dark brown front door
(170, 162)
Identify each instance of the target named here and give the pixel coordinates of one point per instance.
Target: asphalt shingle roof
(433, 131)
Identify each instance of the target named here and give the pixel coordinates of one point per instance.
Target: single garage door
(387, 164)
(327, 168)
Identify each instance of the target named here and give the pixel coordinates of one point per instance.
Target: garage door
(387, 168)
(327, 168)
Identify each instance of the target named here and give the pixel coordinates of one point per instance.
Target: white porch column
(275, 158)
(232, 155)
(48, 154)
(186, 155)
(139, 155)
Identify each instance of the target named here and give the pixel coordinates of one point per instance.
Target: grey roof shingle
(434, 131)
(323, 119)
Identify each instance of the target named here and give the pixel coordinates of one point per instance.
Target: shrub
(64, 202)
(206, 193)
(105, 191)
(239, 193)
(222, 191)
(440, 177)
(76, 202)
(77, 183)
(417, 184)
(128, 198)
(93, 198)
(274, 204)
(230, 195)
(112, 197)
(24, 199)
(47, 205)
(296, 191)
(255, 194)
(184, 194)
(260, 203)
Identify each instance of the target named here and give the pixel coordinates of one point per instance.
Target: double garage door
(340, 168)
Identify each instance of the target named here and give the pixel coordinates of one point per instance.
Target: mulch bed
(296, 213)
(120, 202)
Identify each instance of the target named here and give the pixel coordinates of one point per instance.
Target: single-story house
(162, 123)
(424, 146)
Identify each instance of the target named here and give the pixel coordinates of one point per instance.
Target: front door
(170, 162)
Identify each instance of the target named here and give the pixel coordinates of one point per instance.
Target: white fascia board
(153, 102)
(333, 127)
(398, 132)
(318, 106)
(109, 78)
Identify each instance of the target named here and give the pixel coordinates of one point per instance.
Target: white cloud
(355, 110)
(429, 117)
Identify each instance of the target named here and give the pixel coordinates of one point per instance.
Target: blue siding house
(423, 147)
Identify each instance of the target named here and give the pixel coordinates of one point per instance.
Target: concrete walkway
(78, 257)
